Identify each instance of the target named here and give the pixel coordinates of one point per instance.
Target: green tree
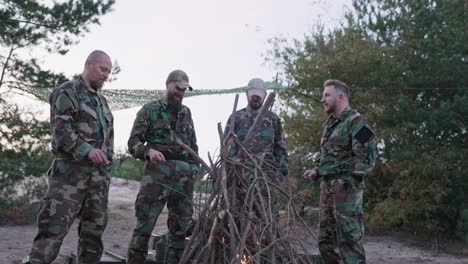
(54, 27)
(428, 36)
(347, 53)
(425, 128)
(33, 25)
(409, 86)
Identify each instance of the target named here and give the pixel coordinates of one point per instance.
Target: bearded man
(269, 143)
(82, 128)
(347, 155)
(169, 169)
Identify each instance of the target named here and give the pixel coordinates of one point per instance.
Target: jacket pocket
(87, 122)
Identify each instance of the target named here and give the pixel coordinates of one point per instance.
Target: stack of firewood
(251, 215)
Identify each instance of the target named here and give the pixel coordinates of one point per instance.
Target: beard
(255, 105)
(174, 101)
(96, 84)
(329, 108)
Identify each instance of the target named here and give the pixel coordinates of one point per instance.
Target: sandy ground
(17, 240)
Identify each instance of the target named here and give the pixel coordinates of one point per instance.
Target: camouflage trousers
(341, 220)
(76, 190)
(170, 183)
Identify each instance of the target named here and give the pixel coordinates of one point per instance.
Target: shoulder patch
(364, 134)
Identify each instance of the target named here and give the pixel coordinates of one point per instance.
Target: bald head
(96, 55)
(97, 68)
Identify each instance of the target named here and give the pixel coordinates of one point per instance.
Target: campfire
(251, 214)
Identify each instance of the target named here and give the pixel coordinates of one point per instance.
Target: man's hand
(155, 156)
(98, 157)
(311, 174)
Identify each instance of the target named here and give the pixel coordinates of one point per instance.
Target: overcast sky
(219, 43)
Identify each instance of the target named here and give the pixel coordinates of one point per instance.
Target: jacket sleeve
(136, 142)
(281, 152)
(364, 148)
(65, 113)
(319, 154)
(234, 147)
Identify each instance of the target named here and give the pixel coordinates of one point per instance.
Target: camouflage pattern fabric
(80, 121)
(348, 153)
(157, 127)
(269, 141)
(340, 220)
(169, 182)
(348, 145)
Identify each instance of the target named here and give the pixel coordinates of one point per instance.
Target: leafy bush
(25, 159)
(24, 140)
(126, 167)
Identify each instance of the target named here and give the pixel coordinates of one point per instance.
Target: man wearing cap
(269, 143)
(169, 169)
(268, 147)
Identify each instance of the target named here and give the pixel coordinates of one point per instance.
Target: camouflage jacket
(348, 145)
(269, 141)
(80, 120)
(155, 127)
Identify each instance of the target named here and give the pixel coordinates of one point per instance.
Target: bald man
(82, 143)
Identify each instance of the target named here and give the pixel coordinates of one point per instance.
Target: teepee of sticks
(251, 214)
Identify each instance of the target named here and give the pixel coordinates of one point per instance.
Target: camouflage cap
(256, 86)
(180, 78)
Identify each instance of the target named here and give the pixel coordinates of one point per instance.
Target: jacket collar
(252, 112)
(163, 102)
(341, 117)
(83, 83)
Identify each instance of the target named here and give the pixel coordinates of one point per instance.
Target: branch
(34, 23)
(3, 57)
(196, 157)
(310, 97)
(233, 120)
(6, 65)
(256, 125)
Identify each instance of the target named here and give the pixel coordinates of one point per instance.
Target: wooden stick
(257, 123)
(233, 120)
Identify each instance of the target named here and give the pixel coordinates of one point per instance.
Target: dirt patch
(17, 240)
